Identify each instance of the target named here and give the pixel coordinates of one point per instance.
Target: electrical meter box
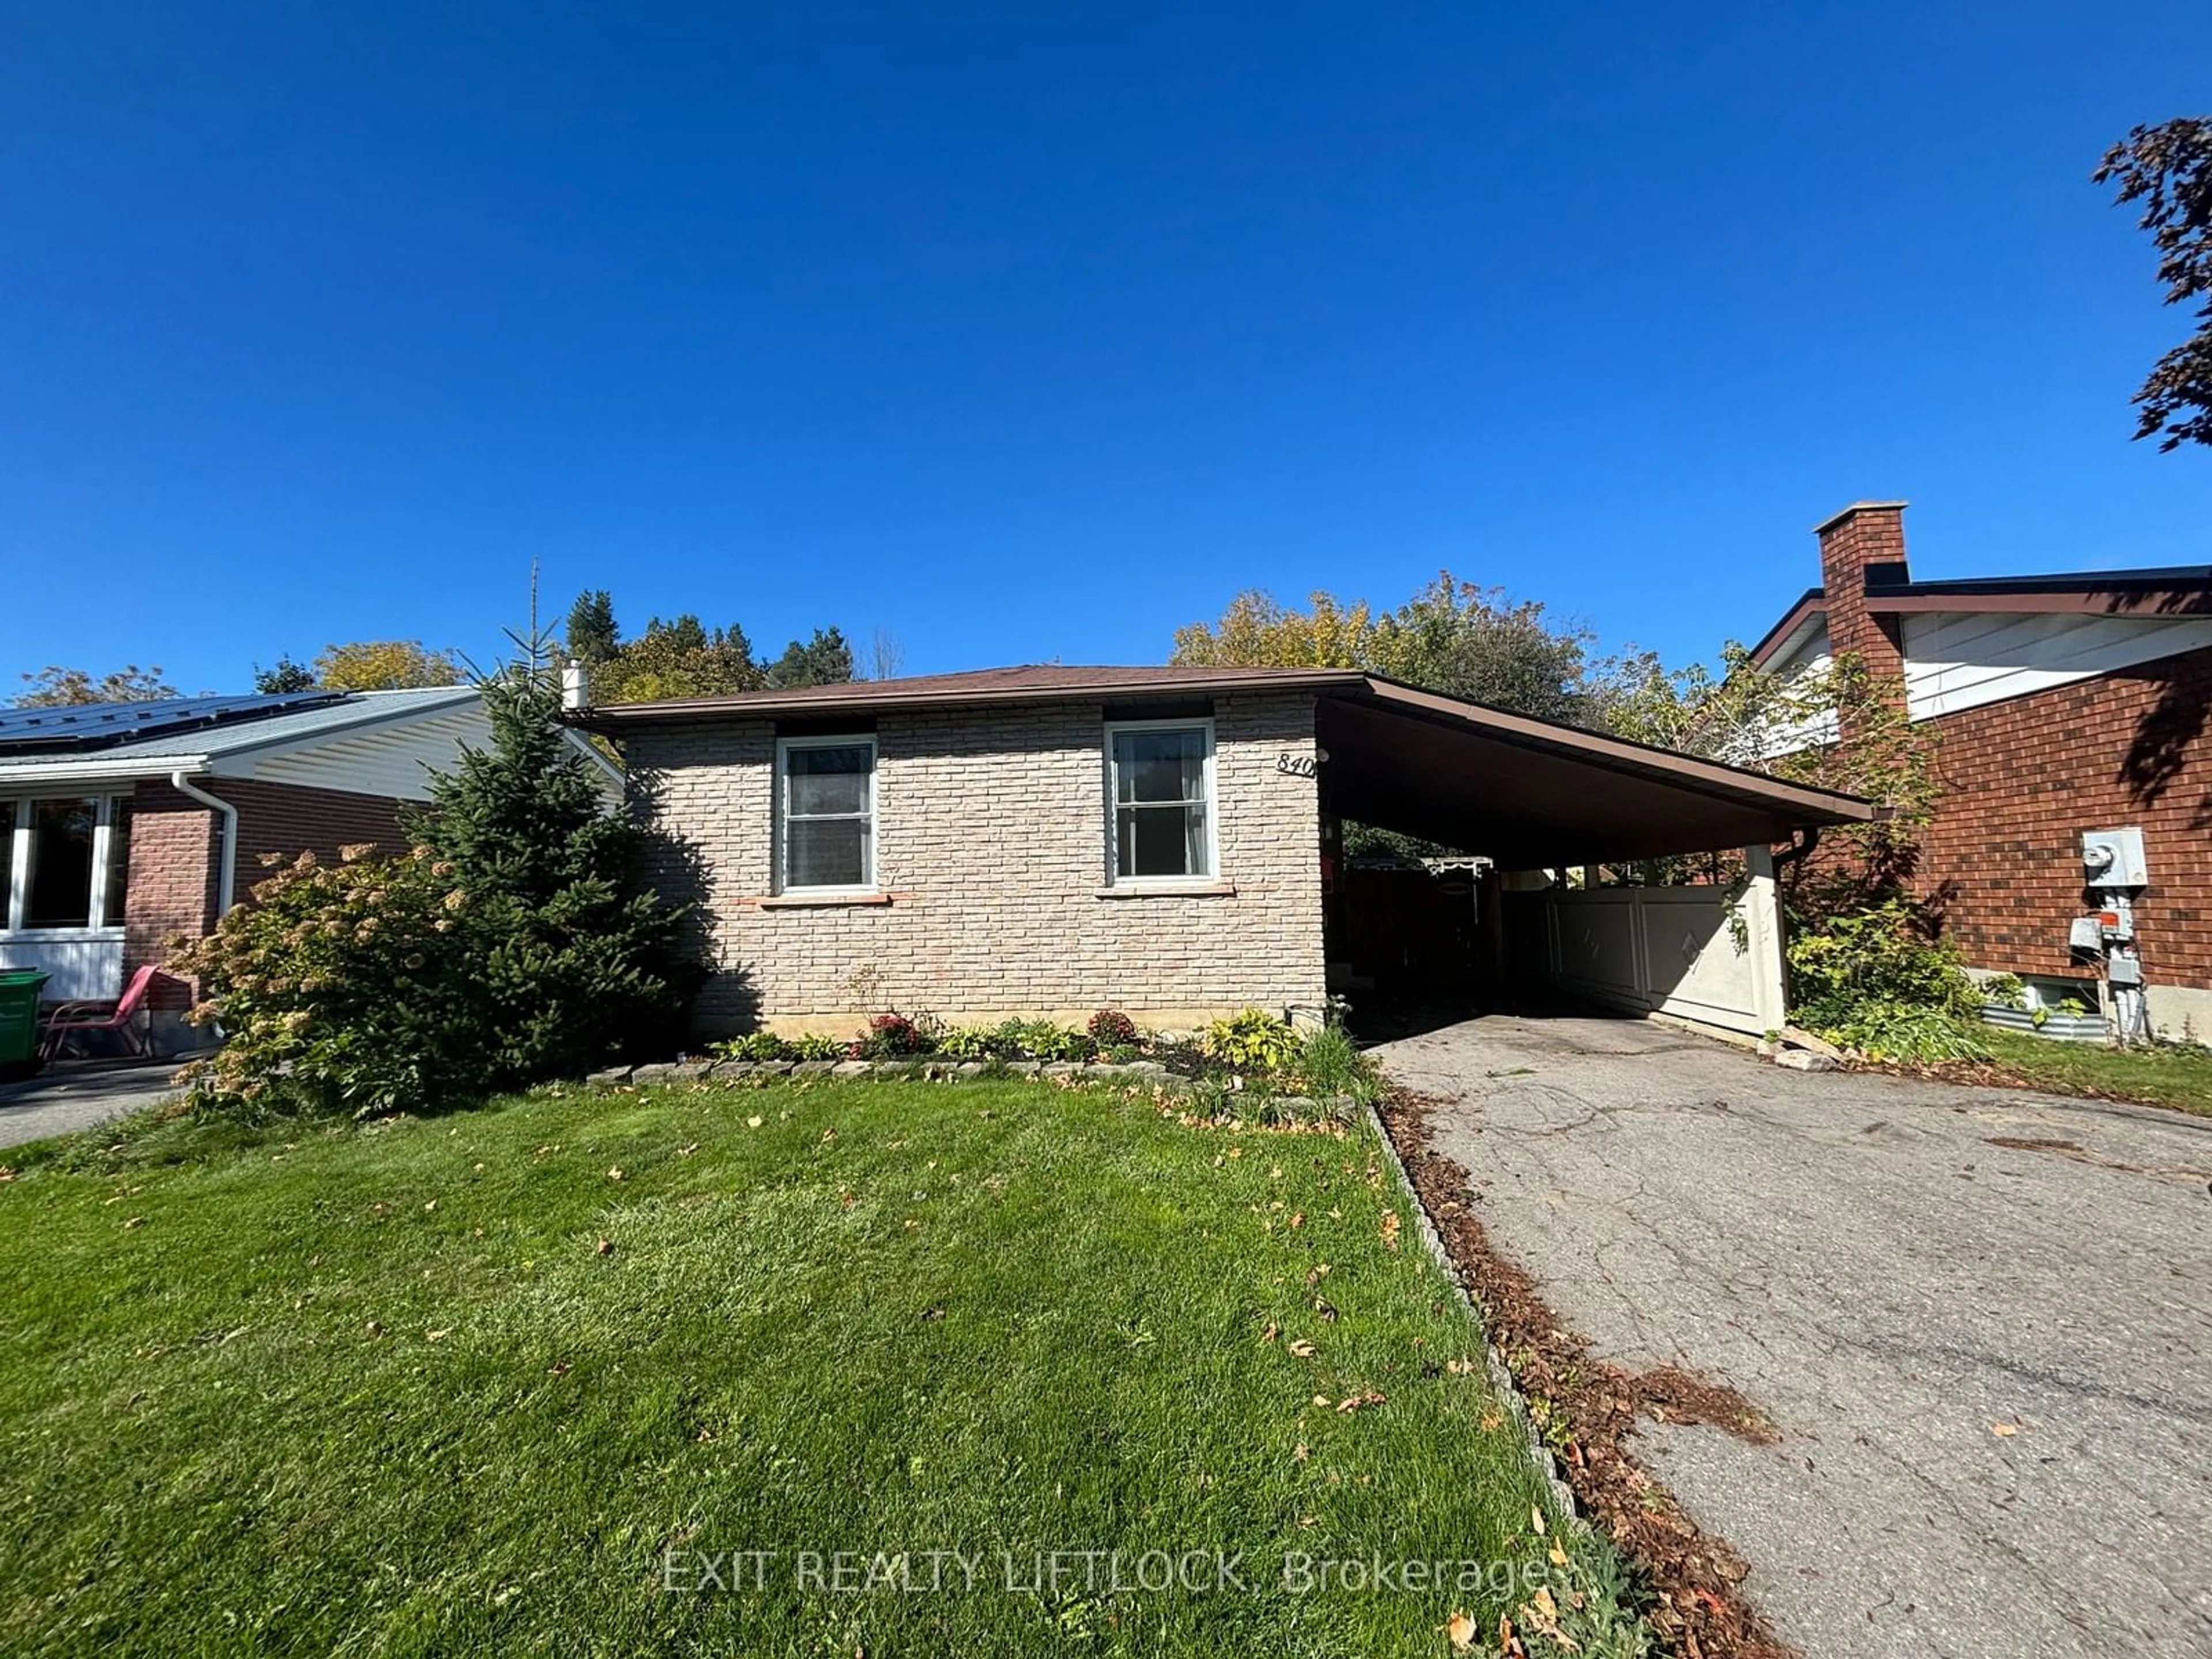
(2113, 858)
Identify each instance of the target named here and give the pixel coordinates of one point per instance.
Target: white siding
(394, 760)
(1962, 660)
(1808, 656)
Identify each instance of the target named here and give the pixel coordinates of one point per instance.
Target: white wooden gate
(1710, 954)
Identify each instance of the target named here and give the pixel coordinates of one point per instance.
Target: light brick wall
(991, 843)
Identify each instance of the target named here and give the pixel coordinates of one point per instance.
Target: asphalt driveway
(70, 1097)
(1857, 1256)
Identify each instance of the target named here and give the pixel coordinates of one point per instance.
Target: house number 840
(1297, 765)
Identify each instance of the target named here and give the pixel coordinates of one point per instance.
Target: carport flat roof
(1525, 792)
(1529, 792)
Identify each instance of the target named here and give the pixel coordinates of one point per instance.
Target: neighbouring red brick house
(2062, 704)
(123, 824)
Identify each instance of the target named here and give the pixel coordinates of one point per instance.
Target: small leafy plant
(892, 1036)
(1109, 1028)
(816, 1046)
(755, 1046)
(1252, 1040)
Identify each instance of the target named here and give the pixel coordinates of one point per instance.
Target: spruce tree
(576, 961)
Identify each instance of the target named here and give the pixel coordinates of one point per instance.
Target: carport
(1532, 796)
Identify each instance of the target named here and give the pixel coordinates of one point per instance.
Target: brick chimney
(1863, 547)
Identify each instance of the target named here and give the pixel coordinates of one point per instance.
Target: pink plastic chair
(71, 1018)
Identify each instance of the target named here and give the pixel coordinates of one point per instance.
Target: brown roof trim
(966, 690)
(1619, 753)
(2174, 591)
(1814, 602)
(2116, 601)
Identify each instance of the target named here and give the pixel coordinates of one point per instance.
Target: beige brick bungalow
(1050, 841)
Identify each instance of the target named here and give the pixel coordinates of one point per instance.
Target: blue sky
(1034, 331)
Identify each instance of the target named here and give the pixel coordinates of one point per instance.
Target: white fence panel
(1701, 953)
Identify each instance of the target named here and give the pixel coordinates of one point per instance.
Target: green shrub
(346, 987)
(513, 944)
(1885, 955)
(816, 1046)
(1252, 1040)
(757, 1046)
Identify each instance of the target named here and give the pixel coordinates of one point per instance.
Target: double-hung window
(1160, 799)
(825, 815)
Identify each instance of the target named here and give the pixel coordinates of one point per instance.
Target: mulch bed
(1594, 1407)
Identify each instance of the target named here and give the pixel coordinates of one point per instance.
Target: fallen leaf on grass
(135, 1221)
(604, 1247)
(1304, 1348)
(1542, 1614)
(1271, 1333)
(1460, 1628)
(1390, 1226)
(753, 1123)
(1359, 1401)
(615, 1174)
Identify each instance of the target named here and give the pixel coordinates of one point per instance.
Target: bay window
(825, 815)
(1160, 799)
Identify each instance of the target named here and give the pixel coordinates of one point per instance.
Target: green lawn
(388, 1392)
(2176, 1077)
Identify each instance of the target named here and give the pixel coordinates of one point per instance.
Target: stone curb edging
(1541, 1458)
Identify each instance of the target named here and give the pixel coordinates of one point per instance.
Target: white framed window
(825, 815)
(1159, 802)
(65, 863)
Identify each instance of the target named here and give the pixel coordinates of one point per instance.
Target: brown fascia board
(770, 705)
(1620, 754)
(2112, 601)
(1813, 603)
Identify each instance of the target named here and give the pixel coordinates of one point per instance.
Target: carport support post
(1762, 921)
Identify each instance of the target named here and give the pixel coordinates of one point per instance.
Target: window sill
(75, 935)
(815, 901)
(1169, 890)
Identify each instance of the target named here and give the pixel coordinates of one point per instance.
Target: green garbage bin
(19, 1021)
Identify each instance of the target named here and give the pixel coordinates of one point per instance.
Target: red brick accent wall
(287, 821)
(2025, 777)
(172, 875)
(173, 866)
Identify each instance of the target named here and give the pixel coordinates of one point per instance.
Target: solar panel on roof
(97, 725)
